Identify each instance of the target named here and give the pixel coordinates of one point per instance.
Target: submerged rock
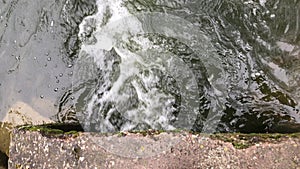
(5, 129)
(21, 113)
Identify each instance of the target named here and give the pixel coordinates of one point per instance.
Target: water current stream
(111, 65)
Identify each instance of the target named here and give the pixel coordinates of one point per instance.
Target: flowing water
(163, 64)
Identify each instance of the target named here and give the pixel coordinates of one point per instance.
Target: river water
(163, 64)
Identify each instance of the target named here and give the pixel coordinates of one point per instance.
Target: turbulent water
(200, 65)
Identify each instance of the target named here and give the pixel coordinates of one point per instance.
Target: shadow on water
(3, 160)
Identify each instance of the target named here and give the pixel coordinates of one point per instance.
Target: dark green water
(245, 65)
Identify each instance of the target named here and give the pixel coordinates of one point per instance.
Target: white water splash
(136, 94)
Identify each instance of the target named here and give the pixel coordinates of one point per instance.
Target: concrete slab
(33, 149)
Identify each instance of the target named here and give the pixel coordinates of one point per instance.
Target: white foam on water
(262, 2)
(154, 106)
(140, 70)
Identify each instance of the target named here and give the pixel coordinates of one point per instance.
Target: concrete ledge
(35, 149)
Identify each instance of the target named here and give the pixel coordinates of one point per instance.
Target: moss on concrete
(55, 130)
(238, 140)
(242, 141)
(149, 132)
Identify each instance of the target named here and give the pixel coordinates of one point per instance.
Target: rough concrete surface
(30, 149)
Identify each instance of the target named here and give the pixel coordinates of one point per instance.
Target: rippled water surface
(163, 64)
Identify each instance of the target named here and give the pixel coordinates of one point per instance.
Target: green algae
(238, 140)
(54, 130)
(149, 132)
(243, 141)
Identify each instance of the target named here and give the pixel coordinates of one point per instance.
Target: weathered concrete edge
(33, 149)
